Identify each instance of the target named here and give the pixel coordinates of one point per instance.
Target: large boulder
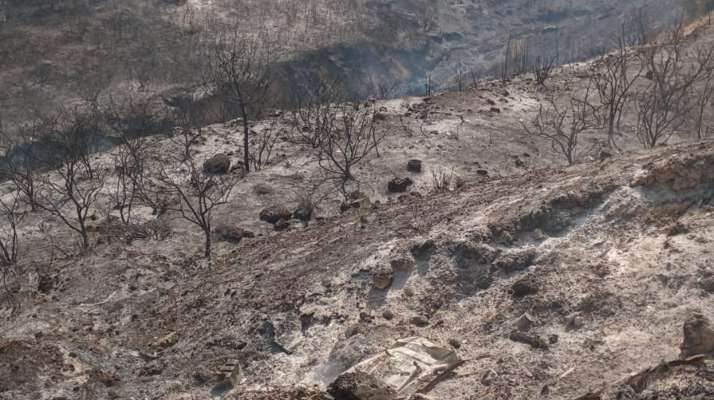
(218, 164)
(275, 213)
(698, 336)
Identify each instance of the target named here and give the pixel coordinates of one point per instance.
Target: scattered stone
(355, 200)
(263, 189)
(399, 185)
(232, 234)
(382, 277)
(495, 110)
(531, 340)
(218, 164)
(152, 369)
(515, 261)
(282, 225)
(414, 166)
(388, 315)
(524, 323)
(423, 249)
(403, 264)
(166, 341)
(419, 321)
(275, 213)
(482, 172)
(303, 213)
(678, 228)
(698, 336)
(454, 343)
(360, 386)
(708, 285)
(524, 287)
(573, 322)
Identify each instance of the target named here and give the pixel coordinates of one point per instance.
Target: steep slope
(606, 261)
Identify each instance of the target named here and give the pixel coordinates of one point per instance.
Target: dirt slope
(606, 259)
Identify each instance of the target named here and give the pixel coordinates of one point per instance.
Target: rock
(482, 172)
(677, 228)
(282, 225)
(153, 368)
(604, 155)
(166, 341)
(531, 340)
(380, 116)
(263, 189)
(454, 343)
(382, 277)
(403, 264)
(412, 365)
(419, 321)
(423, 249)
(414, 166)
(707, 285)
(515, 261)
(388, 315)
(218, 164)
(275, 213)
(524, 287)
(303, 213)
(360, 386)
(231, 234)
(573, 322)
(355, 200)
(524, 323)
(698, 336)
(399, 185)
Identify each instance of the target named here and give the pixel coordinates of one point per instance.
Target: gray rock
(275, 213)
(531, 340)
(698, 336)
(419, 321)
(282, 225)
(218, 164)
(524, 287)
(303, 213)
(403, 264)
(231, 234)
(414, 166)
(382, 277)
(399, 185)
(515, 261)
(360, 386)
(524, 323)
